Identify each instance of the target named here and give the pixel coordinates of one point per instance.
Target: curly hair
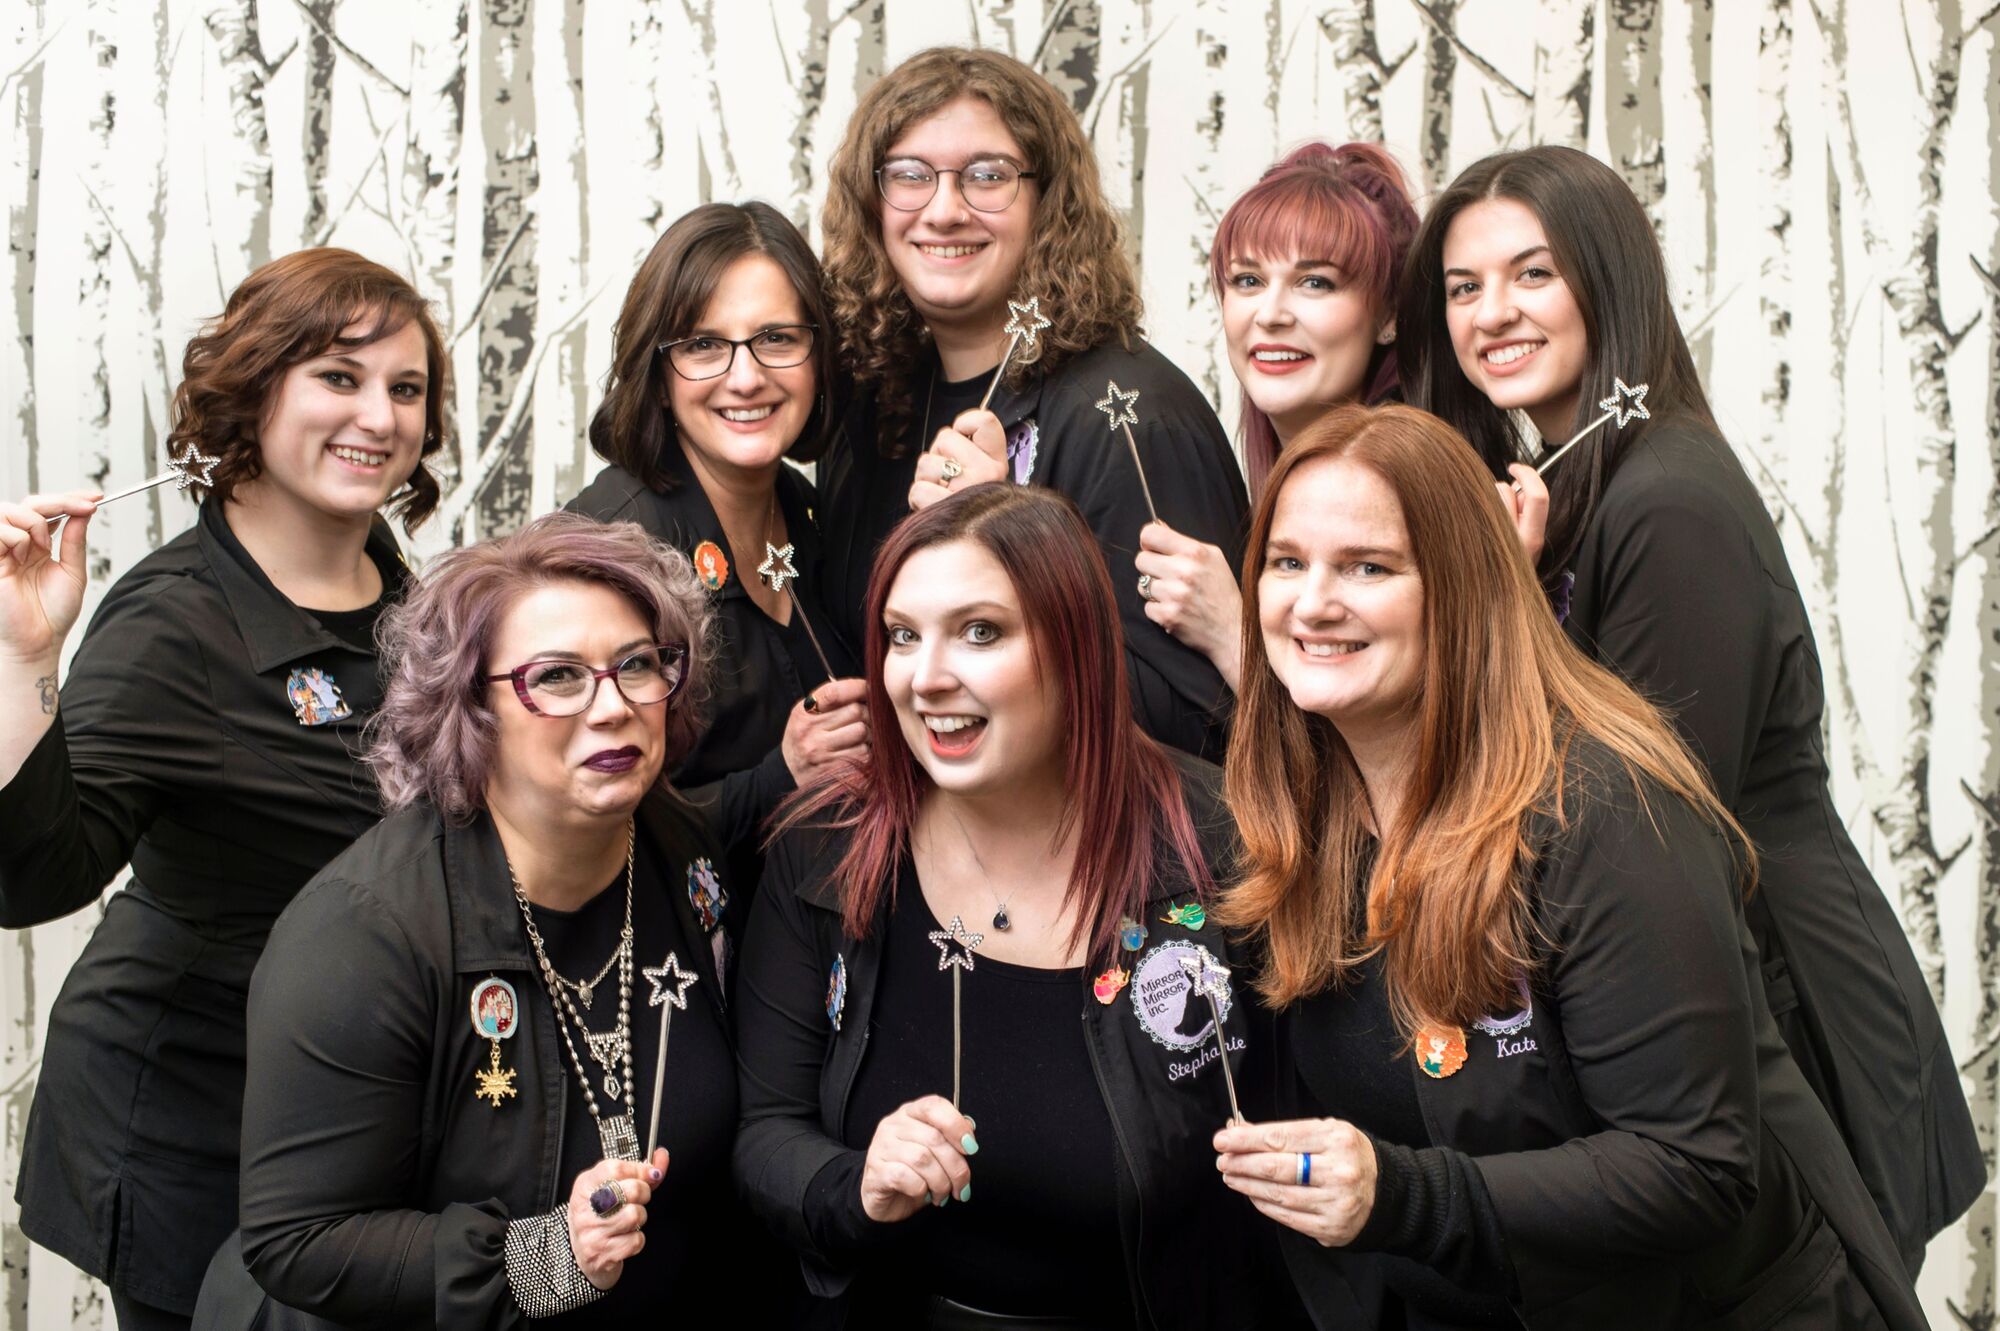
(1076, 262)
(634, 427)
(433, 737)
(291, 310)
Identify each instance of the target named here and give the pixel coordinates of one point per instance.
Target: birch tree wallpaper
(1825, 175)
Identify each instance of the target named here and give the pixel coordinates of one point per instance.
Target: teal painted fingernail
(965, 1193)
(969, 1144)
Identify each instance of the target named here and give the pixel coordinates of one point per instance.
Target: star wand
(776, 572)
(191, 470)
(955, 954)
(1122, 410)
(1624, 406)
(670, 985)
(1024, 324)
(1210, 978)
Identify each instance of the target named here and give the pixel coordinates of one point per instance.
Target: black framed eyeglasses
(989, 185)
(568, 688)
(704, 356)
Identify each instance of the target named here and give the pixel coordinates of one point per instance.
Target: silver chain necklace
(617, 1135)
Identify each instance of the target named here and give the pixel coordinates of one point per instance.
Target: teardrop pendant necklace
(1001, 919)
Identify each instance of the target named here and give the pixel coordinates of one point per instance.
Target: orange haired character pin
(1440, 1050)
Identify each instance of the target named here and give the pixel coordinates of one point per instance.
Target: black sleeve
(135, 724)
(1432, 1207)
(341, 1015)
(783, 1039)
(1652, 1001)
(1178, 696)
(737, 804)
(1686, 619)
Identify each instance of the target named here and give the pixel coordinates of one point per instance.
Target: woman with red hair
(1527, 1069)
(1024, 800)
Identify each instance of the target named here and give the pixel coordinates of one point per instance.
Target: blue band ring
(607, 1198)
(1305, 1177)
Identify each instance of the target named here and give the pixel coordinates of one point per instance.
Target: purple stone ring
(607, 1198)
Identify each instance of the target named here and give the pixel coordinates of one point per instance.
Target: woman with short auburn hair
(964, 202)
(1526, 1070)
(505, 1139)
(1012, 796)
(206, 734)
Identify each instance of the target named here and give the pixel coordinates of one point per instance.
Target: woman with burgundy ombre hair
(1305, 267)
(1027, 834)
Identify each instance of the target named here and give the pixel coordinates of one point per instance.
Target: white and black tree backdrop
(1825, 175)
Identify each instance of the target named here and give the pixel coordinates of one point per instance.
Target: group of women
(679, 908)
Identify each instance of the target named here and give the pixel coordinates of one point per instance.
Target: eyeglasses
(568, 688)
(989, 186)
(704, 356)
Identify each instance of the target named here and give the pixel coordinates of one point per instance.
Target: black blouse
(1057, 437)
(209, 734)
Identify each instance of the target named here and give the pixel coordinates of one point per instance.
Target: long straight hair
(1123, 792)
(1502, 698)
(1608, 257)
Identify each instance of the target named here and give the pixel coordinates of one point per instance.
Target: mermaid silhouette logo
(315, 698)
(1165, 1000)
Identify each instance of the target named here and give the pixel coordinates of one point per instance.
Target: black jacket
(1682, 587)
(377, 1189)
(1057, 437)
(758, 670)
(178, 748)
(1654, 1158)
(1193, 1251)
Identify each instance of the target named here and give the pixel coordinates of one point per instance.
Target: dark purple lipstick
(614, 760)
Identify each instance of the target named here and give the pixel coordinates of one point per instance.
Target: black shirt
(1057, 437)
(209, 734)
(1040, 1234)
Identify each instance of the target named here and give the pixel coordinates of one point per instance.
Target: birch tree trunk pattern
(1833, 241)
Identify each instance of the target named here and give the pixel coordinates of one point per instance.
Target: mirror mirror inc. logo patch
(1164, 999)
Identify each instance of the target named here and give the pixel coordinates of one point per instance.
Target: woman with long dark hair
(1527, 1069)
(207, 733)
(1002, 904)
(1536, 286)
(964, 192)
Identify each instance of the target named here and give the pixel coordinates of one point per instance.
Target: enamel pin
(836, 991)
(1131, 934)
(955, 954)
(706, 894)
(711, 565)
(1106, 986)
(1440, 1051)
(495, 1011)
(670, 983)
(316, 700)
(1190, 916)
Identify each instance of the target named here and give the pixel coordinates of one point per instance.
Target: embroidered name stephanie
(1175, 1071)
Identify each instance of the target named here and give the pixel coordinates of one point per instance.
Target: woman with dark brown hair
(1527, 1068)
(965, 191)
(207, 733)
(723, 370)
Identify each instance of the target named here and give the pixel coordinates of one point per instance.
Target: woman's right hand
(602, 1244)
(834, 729)
(41, 596)
(917, 1159)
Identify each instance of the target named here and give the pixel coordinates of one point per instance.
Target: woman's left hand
(1190, 592)
(1261, 1161)
(975, 445)
(1526, 500)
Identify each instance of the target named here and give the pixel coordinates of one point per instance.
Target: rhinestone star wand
(1624, 406)
(955, 946)
(191, 470)
(1210, 978)
(1121, 409)
(670, 985)
(1024, 324)
(776, 572)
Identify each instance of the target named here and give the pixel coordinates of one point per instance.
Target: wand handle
(659, 1079)
(1576, 439)
(811, 637)
(126, 493)
(1144, 488)
(1000, 369)
(955, 1029)
(1222, 1047)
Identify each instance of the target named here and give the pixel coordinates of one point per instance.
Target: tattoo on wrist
(47, 684)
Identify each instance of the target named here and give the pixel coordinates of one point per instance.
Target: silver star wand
(955, 946)
(1624, 406)
(1024, 324)
(191, 470)
(1210, 978)
(1121, 409)
(775, 572)
(670, 985)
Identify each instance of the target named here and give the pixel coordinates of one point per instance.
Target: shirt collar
(274, 630)
(686, 509)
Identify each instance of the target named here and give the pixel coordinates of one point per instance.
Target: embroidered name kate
(1508, 1048)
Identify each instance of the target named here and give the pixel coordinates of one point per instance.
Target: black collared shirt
(183, 747)
(1058, 437)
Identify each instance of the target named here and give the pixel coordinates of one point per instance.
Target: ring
(811, 703)
(951, 470)
(1517, 486)
(1145, 586)
(1305, 1176)
(607, 1198)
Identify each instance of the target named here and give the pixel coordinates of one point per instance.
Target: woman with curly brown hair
(964, 189)
(207, 733)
